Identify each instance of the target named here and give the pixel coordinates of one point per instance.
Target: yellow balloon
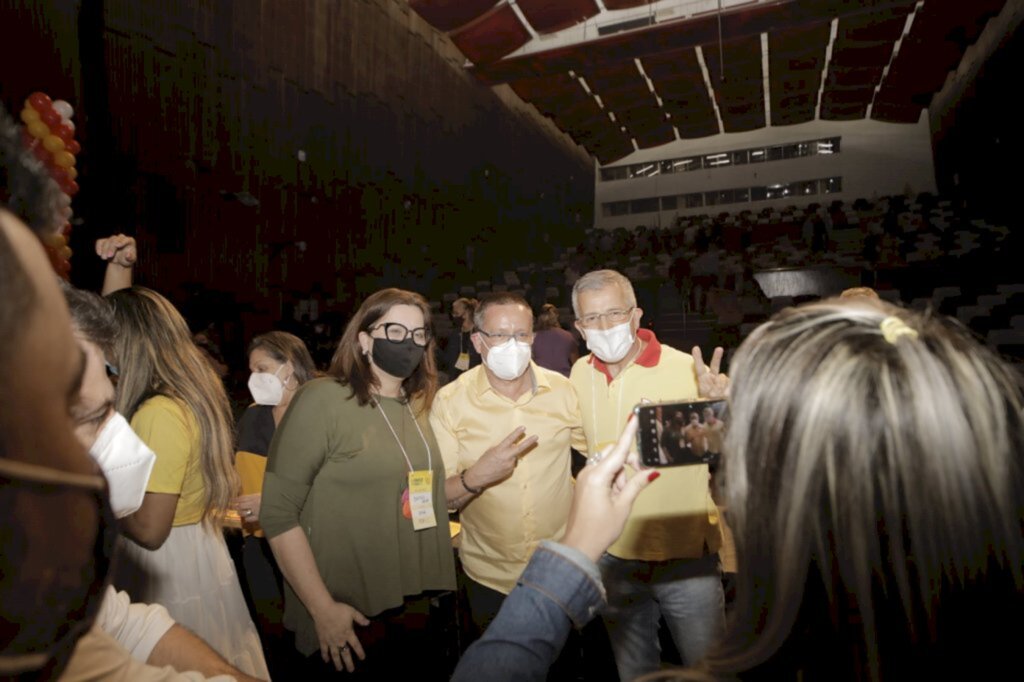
(53, 144)
(38, 129)
(29, 115)
(56, 241)
(64, 159)
(72, 173)
(65, 252)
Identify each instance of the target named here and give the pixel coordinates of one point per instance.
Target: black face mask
(397, 359)
(53, 613)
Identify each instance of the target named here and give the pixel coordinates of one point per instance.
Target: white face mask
(126, 462)
(509, 360)
(611, 345)
(266, 388)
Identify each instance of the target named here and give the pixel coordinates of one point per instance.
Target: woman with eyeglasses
(354, 503)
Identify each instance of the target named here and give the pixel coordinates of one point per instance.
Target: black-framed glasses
(613, 316)
(500, 338)
(396, 332)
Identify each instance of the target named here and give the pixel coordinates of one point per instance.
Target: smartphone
(680, 433)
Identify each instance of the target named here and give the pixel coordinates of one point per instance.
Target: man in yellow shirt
(514, 493)
(666, 560)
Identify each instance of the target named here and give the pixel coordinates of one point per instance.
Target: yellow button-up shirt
(504, 524)
(676, 517)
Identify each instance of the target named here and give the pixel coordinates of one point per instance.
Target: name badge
(462, 364)
(421, 499)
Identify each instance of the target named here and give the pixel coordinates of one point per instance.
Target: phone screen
(680, 433)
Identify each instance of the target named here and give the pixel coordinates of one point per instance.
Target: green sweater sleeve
(297, 452)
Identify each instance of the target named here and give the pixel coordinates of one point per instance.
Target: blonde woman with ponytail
(176, 555)
(875, 488)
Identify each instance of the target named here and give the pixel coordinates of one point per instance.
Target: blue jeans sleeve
(560, 588)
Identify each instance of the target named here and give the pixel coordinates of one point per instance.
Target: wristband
(462, 477)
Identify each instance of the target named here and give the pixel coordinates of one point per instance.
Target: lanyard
(398, 440)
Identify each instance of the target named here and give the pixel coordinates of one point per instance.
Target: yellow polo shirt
(504, 524)
(676, 517)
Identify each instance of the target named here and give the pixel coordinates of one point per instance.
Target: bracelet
(462, 477)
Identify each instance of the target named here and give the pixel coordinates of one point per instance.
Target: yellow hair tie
(893, 328)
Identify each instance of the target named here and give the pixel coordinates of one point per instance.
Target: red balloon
(40, 153)
(67, 230)
(27, 139)
(50, 117)
(73, 146)
(41, 102)
(71, 188)
(59, 174)
(64, 132)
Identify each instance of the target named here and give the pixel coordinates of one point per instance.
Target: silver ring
(248, 512)
(595, 458)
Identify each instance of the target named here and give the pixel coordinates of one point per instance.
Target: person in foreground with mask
(354, 503)
(666, 562)
(875, 489)
(515, 492)
(59, 531)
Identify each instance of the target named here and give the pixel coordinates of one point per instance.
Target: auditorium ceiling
(620, 75)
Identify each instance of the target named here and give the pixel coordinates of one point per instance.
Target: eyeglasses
(613, 316)
(395, 332)
(521, 337)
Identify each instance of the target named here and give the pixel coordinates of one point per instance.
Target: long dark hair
(351, 368)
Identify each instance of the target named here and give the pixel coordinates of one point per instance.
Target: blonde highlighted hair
(874, 486)
(156, 356)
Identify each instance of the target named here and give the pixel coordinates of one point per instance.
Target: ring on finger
(595, 458)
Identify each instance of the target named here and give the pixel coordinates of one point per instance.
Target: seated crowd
(870, 477)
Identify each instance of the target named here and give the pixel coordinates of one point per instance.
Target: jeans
(687, 592)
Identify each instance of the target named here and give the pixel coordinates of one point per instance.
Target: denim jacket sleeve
(560, 588)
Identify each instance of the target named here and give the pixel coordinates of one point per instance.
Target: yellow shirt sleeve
(160, 422)
(578, 437)
(447, 442)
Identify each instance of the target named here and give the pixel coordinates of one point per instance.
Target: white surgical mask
(509, 360)
(126, 462)
(611, 345)
(266, 388)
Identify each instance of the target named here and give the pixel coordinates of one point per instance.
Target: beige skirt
(192, 575)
